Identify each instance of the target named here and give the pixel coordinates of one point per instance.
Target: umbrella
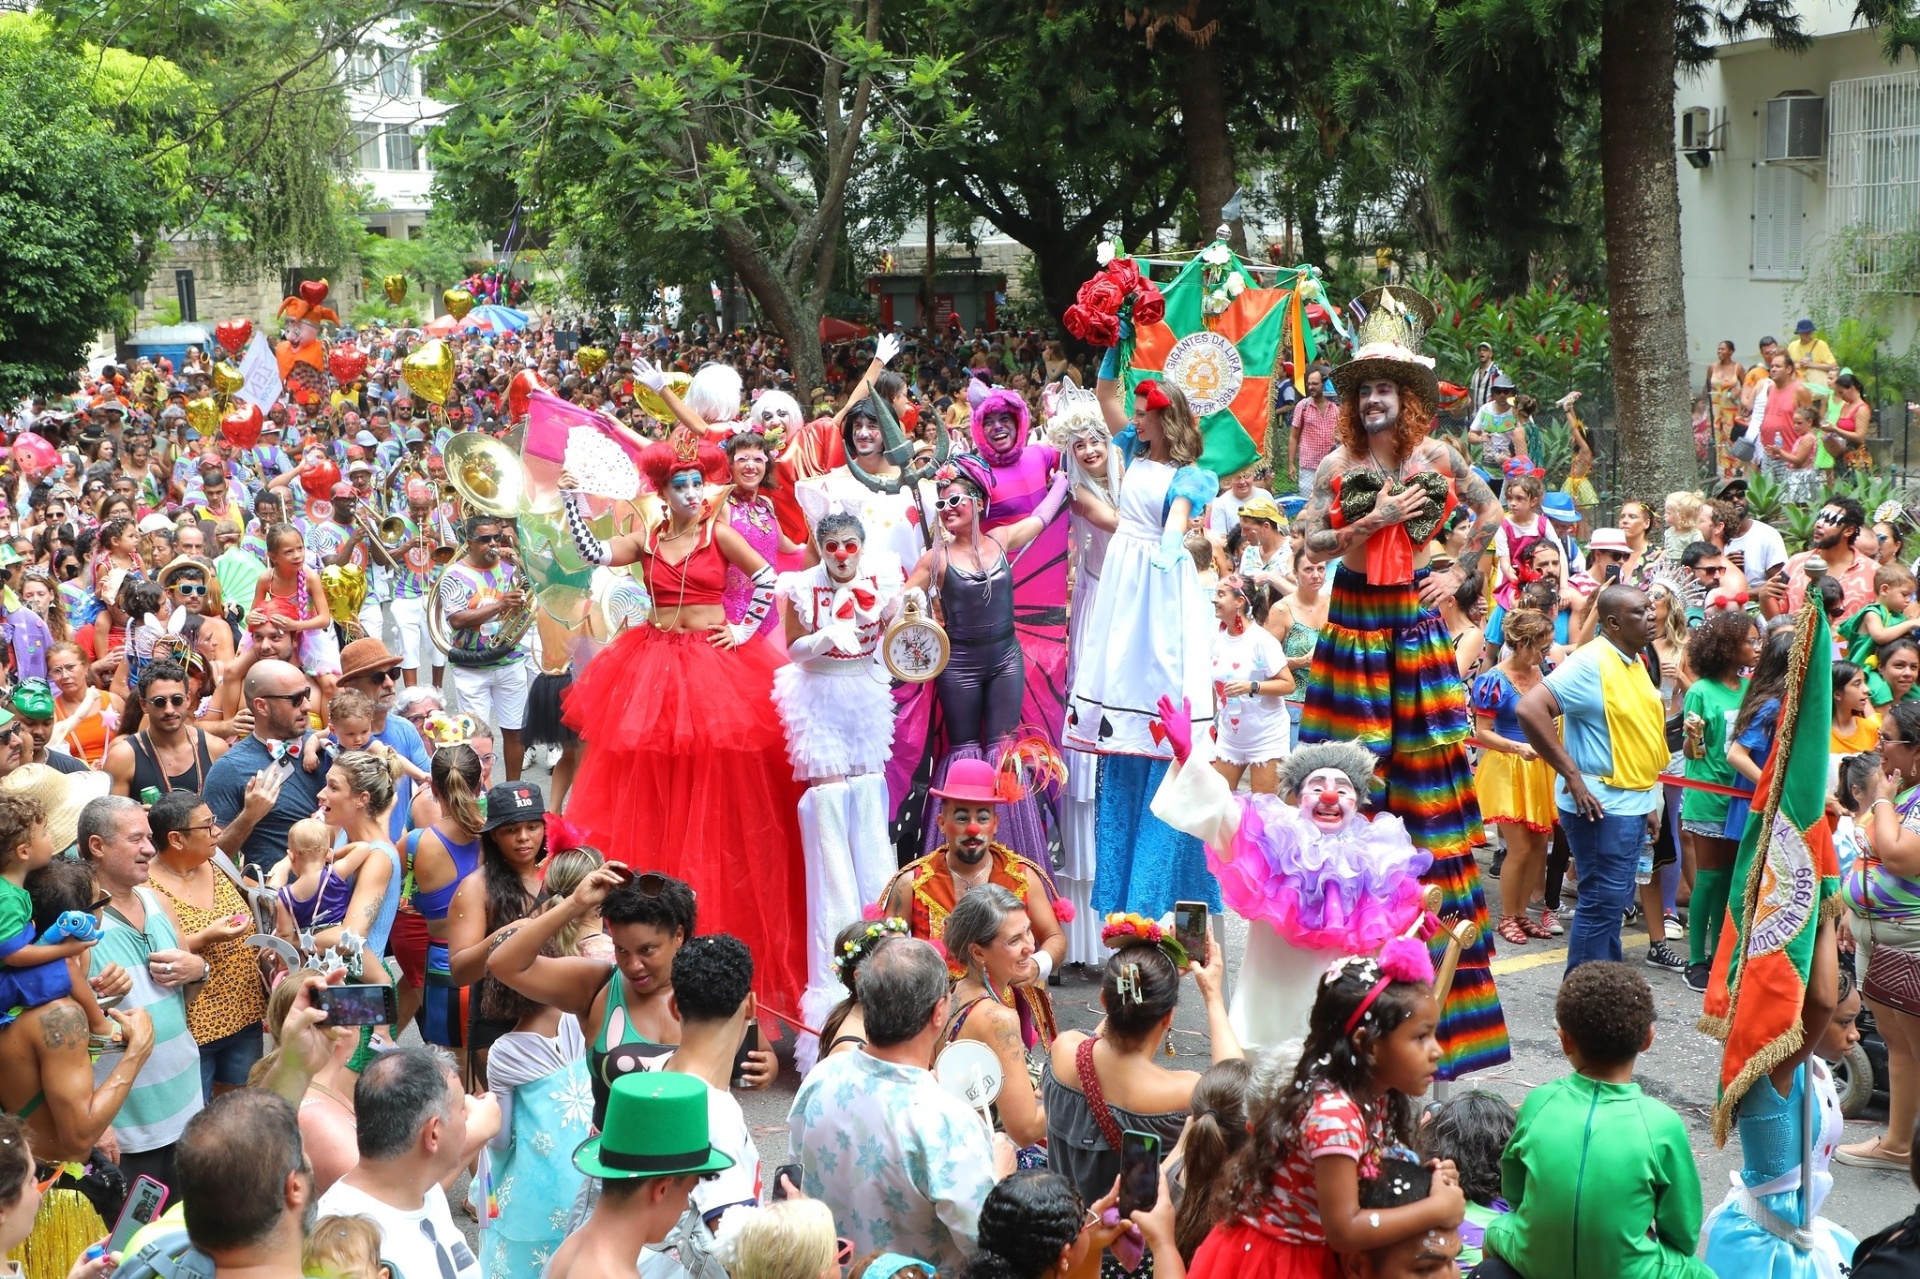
(832, 330)
(500, 319)
(440, 326)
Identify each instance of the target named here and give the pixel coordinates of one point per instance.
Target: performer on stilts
(1078, 430)
(1383, 672)
(837, 707)
(686, 768)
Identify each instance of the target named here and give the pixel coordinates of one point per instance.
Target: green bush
(1549, 340)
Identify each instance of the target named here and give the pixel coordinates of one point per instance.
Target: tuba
(489, 479)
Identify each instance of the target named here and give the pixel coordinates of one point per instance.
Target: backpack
(168, 1255)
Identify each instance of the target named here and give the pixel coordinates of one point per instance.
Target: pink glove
(1179, 725)
(1056, 498)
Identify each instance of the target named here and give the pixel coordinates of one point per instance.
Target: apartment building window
(403, 149)
(1873, 168)
(363, 66)
(366, 146)
(396, 75)
(1779, 223)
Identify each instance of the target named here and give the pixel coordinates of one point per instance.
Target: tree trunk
(795, 314)
(1203, 123)
(1646, 317)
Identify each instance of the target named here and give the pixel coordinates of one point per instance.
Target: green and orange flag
(1225, 350)
(1786, 880)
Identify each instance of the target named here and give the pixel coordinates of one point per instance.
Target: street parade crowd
(871, 710)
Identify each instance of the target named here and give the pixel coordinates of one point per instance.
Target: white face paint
(1379, 405)
(866, 437)
(686, 493)
(841, 556)
(1328, 799)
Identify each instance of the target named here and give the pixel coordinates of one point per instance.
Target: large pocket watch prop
(915, 646)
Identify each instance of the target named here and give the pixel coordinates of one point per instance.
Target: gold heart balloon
(345, 586)
(227, 377)
(429, 371)
(458, 301)
(203, 415)
(592, 359)
(396, 287)
(652, 401)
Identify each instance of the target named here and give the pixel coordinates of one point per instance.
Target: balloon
(345, 586)
(233, 335)
(203, 415)
(347, 363)
(33, 453)
(591, 359)
(242, 426)
(314, 291)
(429, 371)
(522, 385)
(458, 301)
(318, 475)
(396, 287)
(652, 401)
(227, 377)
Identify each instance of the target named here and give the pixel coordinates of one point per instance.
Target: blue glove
(73, 925)
(1171, 549)
(1110, 365)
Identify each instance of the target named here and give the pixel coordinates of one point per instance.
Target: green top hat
(656, 1127)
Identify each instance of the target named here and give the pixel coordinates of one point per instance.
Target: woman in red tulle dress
(686, 766)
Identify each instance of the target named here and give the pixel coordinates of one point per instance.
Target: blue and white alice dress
(1150, 634)
(546, 1105)
(1756, 1232)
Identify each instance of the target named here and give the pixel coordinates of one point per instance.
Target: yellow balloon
(396, 287)
(592, 359)
(227, 377)
(652, 401)
(458, 301)
(203, 415)
(345, 586)
(429, 371)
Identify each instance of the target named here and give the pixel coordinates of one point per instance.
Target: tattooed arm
(1324, 542)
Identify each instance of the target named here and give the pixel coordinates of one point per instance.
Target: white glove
(914, 597)
(844, 637)
(885, 347)
(649, 374)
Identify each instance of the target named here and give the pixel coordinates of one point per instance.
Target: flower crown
(1132, 928)
(855, 952)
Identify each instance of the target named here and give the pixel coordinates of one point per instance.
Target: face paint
(684, 492)
(866, 437)
(841, 555)
(1380, 406)
(1328, 799)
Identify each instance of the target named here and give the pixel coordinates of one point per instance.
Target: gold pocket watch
(915, 646)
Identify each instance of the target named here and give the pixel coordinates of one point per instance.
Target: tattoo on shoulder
(1474, 492)
(63, 1026)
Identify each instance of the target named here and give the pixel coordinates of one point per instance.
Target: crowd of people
(868, 721)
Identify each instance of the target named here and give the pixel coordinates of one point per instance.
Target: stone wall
(217, 296)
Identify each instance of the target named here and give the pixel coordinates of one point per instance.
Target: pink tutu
(1351, 892)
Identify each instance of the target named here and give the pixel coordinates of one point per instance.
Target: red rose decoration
(1103, 294)
(1124, 273)
(1149, 305)
(1095, 328)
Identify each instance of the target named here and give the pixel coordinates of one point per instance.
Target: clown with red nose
(837, 707)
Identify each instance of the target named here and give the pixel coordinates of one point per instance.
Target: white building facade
(391, 113)
(1799, 184)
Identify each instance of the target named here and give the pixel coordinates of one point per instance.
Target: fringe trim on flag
(1768, 1056)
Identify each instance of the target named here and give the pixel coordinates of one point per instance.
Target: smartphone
(748, 1042)
(144, 1201)
(790, 1173)
(1190, 930)
(1139, 1171)
(360, 1005)
(1611, 573)
(1776, 571)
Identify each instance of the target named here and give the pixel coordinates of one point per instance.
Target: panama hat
(1386, 344)
(656, 1127)
(61, 795)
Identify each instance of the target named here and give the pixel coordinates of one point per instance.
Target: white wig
(1075, 414)
(773, 402)
(715, 393)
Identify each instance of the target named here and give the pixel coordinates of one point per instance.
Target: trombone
(388, 533)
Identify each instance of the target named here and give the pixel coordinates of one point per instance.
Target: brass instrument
(489, 479)
(513, 623)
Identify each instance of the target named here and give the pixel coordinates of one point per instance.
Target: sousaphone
(491, 481)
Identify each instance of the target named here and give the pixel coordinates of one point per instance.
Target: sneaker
(1631, 917)
(1660, 955)
(1696, 977)
(1550, 921)
(1676, 931)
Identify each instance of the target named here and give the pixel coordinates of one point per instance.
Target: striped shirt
(166, 1094)
(1873, 891)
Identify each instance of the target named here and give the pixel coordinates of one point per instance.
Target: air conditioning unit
(1796, 128)
(1696, 128)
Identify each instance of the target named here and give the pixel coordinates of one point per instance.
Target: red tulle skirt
(686, 773)
(1235, 1250)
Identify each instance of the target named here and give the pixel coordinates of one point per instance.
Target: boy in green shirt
(1884, 620)
(1600, 1177)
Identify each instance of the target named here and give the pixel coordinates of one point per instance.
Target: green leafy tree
(743, 121)
(76, 200)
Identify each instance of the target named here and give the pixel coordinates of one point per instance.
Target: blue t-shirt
(1758, 739)
(405, 739)
(1576, 686)
(226, 795)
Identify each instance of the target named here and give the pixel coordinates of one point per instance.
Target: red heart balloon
(314, 291)
(233, 335)
(346, 364)
(318, 475)
(242, 426)
(524, 382)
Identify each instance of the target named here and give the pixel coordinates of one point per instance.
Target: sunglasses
(292, 699)
(190, 588)
(104, 901)
(949, 503)
(168, 701)
(493, 539)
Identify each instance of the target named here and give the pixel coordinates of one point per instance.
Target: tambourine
(915, 647)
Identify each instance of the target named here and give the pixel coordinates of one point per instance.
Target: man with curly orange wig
(1383, 673)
